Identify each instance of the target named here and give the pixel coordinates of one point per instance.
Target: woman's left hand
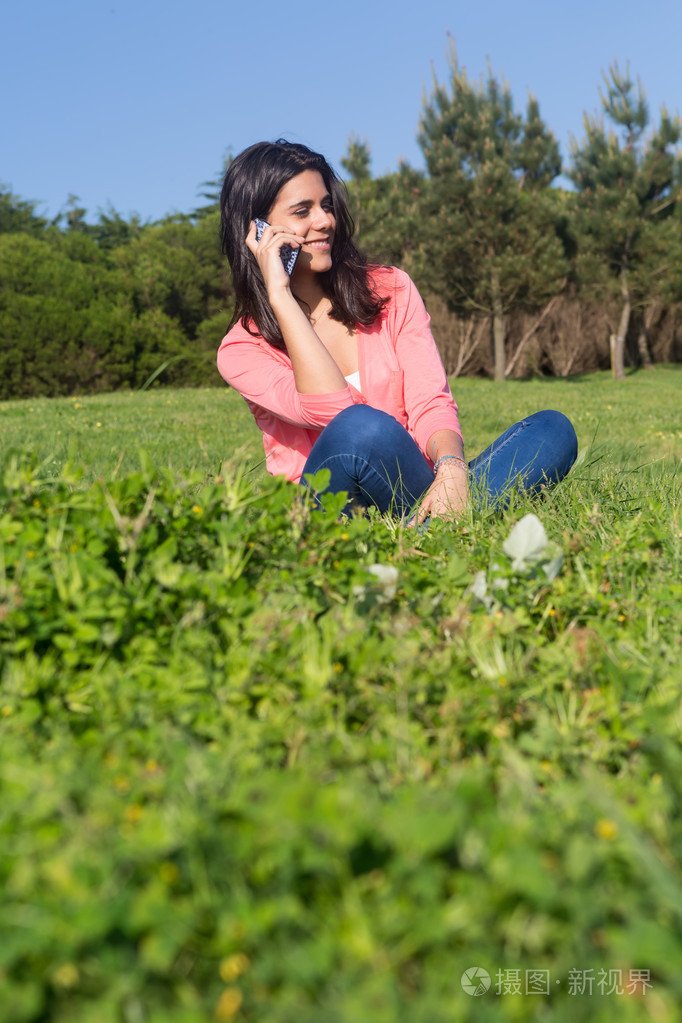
(448, 495)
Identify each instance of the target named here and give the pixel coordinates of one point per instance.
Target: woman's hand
(267, 253)
(448, 495)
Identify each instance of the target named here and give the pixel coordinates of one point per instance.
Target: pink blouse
(401, 373)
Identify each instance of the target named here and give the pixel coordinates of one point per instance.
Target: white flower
(553, 567)
(479, 590)
(387, 577)
(479, 587)
(526, 543)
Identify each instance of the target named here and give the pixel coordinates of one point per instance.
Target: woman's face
(305, 206)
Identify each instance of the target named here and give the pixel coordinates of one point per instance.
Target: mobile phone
(289, 255)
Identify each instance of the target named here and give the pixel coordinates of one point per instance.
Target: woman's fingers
(423, 511)
(267, 251)
(272, 236)
(250, 239)
(446, 498)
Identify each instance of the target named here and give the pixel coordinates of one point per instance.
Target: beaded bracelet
(450, 458)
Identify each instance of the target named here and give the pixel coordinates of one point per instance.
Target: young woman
(337, 362)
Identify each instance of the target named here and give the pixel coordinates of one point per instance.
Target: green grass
(241, 779)
(199, 429)
(102, 435)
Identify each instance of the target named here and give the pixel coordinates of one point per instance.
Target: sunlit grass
(630, 423)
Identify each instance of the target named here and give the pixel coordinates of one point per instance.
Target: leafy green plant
(260, 760)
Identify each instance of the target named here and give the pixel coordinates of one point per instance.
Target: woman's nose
(322, 220)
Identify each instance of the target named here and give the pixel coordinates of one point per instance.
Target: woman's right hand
(267, 253)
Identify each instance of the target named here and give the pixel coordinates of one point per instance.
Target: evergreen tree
(112, 229)
(18, 215)
(389, 213)
(666, 285)
(75, 215)
(626, 192)
(493, 245)
(357, 159)
(382, 208)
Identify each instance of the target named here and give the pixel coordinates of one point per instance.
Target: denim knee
(363, 427)
(562, 432)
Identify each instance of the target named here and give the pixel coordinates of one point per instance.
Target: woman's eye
(301, 213)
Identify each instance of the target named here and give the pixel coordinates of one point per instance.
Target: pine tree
(19, 215)
(626, 193)
(357, 159)
(493, 247)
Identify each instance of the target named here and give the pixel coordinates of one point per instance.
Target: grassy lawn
(199, 429)
(260, 763)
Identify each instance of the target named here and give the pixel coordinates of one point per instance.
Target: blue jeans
(374, 459)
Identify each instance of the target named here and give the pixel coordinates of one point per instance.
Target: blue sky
(136, 102)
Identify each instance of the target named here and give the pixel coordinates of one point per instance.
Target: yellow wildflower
(229, 1003)
(606, 829)
(66, 975)
(233, 966)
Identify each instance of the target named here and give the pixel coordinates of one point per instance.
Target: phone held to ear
(289, 255)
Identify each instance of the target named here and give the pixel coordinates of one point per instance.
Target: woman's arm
(428, 400)
(448, 494)
(263, 376)
(431, 410)
(315, 372)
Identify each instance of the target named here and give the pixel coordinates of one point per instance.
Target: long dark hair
(252, 183)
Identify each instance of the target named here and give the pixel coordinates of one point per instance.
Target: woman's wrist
(452, 463)
(280, 297)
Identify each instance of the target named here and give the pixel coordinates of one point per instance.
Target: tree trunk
(528, 335)
(643, 339)
(618, 341)
(498, 328)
